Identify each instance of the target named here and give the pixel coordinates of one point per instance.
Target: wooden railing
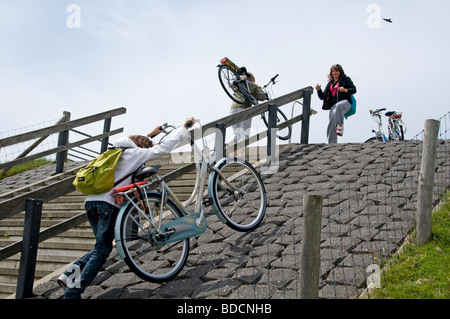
(14, 205)
(61, 184)
(63, 139)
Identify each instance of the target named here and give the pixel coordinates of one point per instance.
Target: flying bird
(388, 20)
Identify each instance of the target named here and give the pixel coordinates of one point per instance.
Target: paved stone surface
(369, 208)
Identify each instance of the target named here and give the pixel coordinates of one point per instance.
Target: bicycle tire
(402, 133)
(143, 256)
(283, 134)
(240, 212)
(227, 78)
(398, 132)
(373, 139)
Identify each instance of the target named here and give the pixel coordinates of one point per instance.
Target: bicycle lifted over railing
(153, 227)
(396, 127)
(234, 80)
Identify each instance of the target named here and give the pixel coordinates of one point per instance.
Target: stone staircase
(56, 253)
(53, 253)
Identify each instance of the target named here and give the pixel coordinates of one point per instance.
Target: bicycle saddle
(145, 172)
(243, 71)
(390, 113)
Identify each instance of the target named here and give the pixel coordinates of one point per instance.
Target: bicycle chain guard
(179, 229)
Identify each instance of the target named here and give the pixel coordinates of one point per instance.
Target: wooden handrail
(60, 127)
(12, 206)
(256, 110)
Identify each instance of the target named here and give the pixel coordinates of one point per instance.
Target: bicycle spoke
(244, 204)
(149, 260)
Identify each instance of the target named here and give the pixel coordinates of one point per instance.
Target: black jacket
(329, 100)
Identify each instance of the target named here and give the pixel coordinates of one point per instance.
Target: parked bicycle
(396, 127)
(153, 227)
(233, 80)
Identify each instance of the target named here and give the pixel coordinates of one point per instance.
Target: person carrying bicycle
(337, 99)
(101, 210)
(241, 131)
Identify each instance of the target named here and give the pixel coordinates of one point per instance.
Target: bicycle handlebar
(272, 81)
(377, 111)
(163, 127)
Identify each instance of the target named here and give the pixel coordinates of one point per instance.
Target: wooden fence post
(30, 242)
(63, 139)
(426, 182)
(310, 251)
(105, 141)
(271, 133)
(220, 140)
(304, 138)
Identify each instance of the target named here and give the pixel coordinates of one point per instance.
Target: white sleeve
(165, 147)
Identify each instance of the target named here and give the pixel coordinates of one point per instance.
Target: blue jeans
(102, 217)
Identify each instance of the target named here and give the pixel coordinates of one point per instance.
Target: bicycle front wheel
(227, 78)
(148, 260)
(283, 134)
(242, 206)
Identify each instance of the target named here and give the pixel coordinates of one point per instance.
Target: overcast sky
(158, 58)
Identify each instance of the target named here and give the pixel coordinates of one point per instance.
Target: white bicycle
(153, 228)
(396, 127)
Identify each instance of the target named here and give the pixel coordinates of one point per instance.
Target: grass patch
(25, 167)
(421, 272)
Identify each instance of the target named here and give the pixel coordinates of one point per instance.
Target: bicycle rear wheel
(283, 134)
(398, 133)
(227, 78)
(148, 260)
(242, 210)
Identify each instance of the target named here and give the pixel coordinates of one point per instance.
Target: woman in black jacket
(337, 99)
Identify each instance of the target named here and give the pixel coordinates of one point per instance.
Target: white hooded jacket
(134, 157)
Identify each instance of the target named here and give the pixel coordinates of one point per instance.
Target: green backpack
(98, 176)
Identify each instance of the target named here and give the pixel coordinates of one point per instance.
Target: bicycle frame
(377, 118)
(395, 125)
(183, 226)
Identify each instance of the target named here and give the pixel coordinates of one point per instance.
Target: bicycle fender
(185, 227)
(119, 245)
(210, 192)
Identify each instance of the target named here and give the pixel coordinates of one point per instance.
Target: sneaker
(340, 130)
(62, 281)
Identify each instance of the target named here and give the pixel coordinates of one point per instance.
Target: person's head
(141, 141)
(336, 72)
(250, 77)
